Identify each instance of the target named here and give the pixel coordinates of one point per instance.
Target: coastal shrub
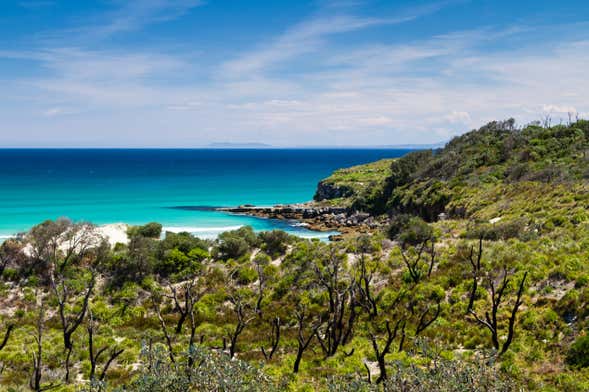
(213, 372)
(398, 223)
(246, 275)
(173, 261)
(573, 305)
(10, 274)
(443, 375)
(578, 355)
(149, 230)
(134, 265)
(11, 258)
(231, 247)
(407, 168)
(198, 254)
(274, 242)
(410, 230)
(235, 244)
(183, 241)
(502, 230)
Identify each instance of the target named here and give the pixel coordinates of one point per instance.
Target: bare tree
(475, 263)
(185, 297)
(384, 348)
(260, 262)
(414, 262)
(424, 321)
(37, 355)
(95, 356)
(163, 327)
(274, 338)
(191, 294)
(240, 309)
(76, 243)
(70, 319)
(365, 277)
(9, 330)
(496, 291)
(432, 257)
(342, 302)
(303, 341)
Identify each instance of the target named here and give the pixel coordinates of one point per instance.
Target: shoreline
(116, 232)
(313, 216)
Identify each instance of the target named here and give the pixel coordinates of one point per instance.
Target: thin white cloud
(57, 111)
(126, 16)
(133, 15)
(304, 38)
(310, 35)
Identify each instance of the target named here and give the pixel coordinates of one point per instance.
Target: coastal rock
(327, 190)
(315, 217)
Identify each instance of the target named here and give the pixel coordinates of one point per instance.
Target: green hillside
(496, 171)
(348, 184)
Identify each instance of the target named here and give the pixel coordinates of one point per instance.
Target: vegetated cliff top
(349, 183)
(481, 168)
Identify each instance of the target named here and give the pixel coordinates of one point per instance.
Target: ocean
(176, 187)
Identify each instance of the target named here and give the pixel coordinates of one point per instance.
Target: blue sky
(186, 73)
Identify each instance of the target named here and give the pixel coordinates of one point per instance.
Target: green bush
(246, 275)
(235, 244)
(578, 355)
(410, 230)
(215, 372)
(183, 241)
(149, 230)
(274, 242)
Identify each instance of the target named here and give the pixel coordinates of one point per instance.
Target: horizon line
(238, 147)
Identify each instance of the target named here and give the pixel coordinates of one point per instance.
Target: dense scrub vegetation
(495, 159)
(493, 296)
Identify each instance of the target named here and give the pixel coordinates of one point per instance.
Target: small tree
(384, 348)
(95, 355)
(37, 355)
(475, 262)
(69, 318)
(274, 338)
(240, 309)
(11, 254)
(261, 261)
(304, 322)
(341, 290)
(364, 276)
(496, 292)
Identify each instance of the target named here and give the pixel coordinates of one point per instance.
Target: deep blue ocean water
(137, 186)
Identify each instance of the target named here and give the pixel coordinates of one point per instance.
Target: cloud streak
(311, 35)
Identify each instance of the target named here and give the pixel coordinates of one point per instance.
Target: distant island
(238, 145)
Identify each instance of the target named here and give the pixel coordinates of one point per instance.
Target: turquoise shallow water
(139, 186)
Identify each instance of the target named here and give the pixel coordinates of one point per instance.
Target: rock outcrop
(321, 218)
(327, 190)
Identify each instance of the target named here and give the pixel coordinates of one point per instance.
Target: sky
(186, 73)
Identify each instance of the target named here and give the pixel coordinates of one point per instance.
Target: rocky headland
(332, 208)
